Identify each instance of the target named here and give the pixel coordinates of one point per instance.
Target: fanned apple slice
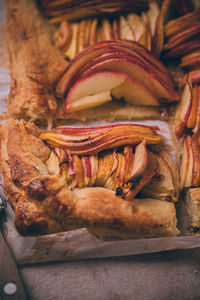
(140, 162)
(191, 60)
(194, 75)
(151, 170)
(115, 28)
(64, 36)
(93, 31)
(73, 46)
(125, 31)
(109, 137)
(185, 179)
(191, 122)
(82, 37)
(175, 26)
(88, 101)
(139, 71)
(137, 25)
(197, 97)
(133, 92)
(93, 90)
(129, 47)
(196, 161)
(183, 109)
(107, 29)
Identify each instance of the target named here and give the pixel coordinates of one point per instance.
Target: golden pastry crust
(192, 203)
(43, 203)
(35, 62)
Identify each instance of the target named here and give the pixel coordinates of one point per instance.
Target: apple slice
(165, 185)
(194, 109)
(93, 32)
(115, 28)
(88, 101)
(139, 71)
(125, 31)
(191, 59)
(183, 109)
(134, 93)
(93, 90)
(185, 163)
(194, 75)
(196, 162)
(151, 170)
(106, 29)
(188, 180)
(86, 57)
(64, 36)
(137, 25)
(175, 26)
(140, 162)
(82, 37)
(73, 46)
(108, 137)
(197, 98)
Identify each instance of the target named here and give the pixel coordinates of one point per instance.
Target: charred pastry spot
(135, 179)
(37, 189)
(119, 191)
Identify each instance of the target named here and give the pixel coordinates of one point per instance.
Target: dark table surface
(170, 275)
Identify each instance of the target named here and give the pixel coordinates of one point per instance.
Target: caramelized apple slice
(183, 109)
(64, 36)
(87, 56)
(197, 98)
(73, 46)
(194, 75)
(196, 161)
(125, 30)
(185, 179)
(194, 109)
(93, 90)
(151, 170)
(133, 92)
(137, 25)
(106, 138)
(140, 162)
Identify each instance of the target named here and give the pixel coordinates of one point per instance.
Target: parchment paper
(79, 244)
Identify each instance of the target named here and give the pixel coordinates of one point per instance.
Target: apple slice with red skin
(175, 26)
(87, 93)
(140, 162)
(108, 137)
(196, 161)
(191, 60)
(194, 75)
(185, 161)
(186, 35)
(194, 109)
(67, 78)
(133, 92)
(184, 48)
(183, 109)
(188, 180)
(151, 170)
(93, 90)
(132, 48)
(139, 71)
(197, 97)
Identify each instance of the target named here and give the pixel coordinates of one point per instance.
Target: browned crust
(34, 61)
(43, 203)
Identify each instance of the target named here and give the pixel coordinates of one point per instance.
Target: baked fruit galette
(101, 61)
(89, 177)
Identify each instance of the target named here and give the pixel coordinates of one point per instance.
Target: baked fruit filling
(123, 158)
